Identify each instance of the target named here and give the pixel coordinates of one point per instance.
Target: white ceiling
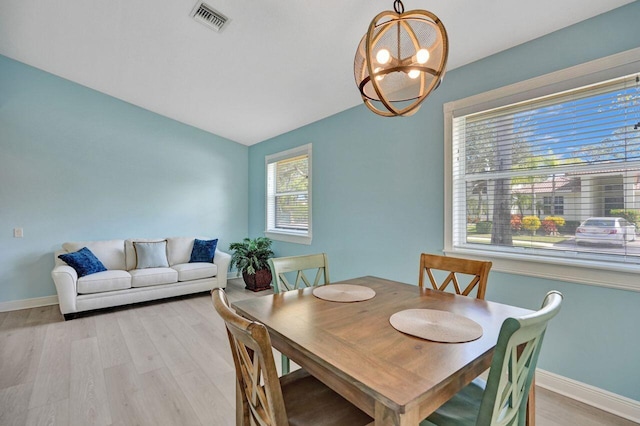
(276, 66)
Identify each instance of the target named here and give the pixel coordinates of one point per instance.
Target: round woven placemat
(438, 326)
(343, 293)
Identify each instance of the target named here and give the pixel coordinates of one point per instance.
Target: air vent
(208, 16)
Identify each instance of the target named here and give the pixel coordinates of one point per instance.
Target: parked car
(608, 230)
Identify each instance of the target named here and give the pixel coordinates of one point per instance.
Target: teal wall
(378, 201)
(76, 164)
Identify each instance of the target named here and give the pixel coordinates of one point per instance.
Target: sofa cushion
(151, 255)
(110, 252)
(83, 261)
(130, 251)
(203, 250)
(179, 249)
(195, 271)
(104, 281)
(153, 276)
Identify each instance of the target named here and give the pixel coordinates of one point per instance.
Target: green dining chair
(281, 266)
(502, 400)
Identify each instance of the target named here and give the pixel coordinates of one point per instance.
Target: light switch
(17, 233)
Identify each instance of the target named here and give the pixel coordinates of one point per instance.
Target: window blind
(527, 175)
(288, 192)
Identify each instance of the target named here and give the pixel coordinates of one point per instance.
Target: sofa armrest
(66, 279)
(222, 259)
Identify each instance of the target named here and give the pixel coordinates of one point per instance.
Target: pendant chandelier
(400, 60)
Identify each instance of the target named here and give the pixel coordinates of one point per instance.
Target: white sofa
(123, 284)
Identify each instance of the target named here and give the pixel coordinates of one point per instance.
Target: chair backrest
(478, 269)
(257, 378)
(298, 264)
(504, 401)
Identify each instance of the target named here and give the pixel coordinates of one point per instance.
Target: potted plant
(250, 258)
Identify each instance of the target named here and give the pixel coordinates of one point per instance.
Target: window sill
(289, 237)
(602, 274)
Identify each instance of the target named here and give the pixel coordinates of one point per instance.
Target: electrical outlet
(17, 233)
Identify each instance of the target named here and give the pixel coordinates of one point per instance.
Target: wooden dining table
(396, 378)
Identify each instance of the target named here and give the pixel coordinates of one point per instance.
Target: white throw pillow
(151, 255)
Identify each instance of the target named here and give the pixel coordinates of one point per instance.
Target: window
(530, 163)
(289, 195)
(553, 205)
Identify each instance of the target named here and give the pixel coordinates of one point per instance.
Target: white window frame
(291, 236)
(605, 274)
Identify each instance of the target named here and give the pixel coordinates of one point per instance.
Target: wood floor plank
(208, 359)
(20, 353)
(3, 315)
(88, 403)
(123, 382)
(43, 314)
(113, 348)
(52, 377)
(226, 384)
(82, 328)
(144, 354)
(162, 401)
(187, 314)
(557, 410)
(14, 404)
(15, 319)
(55, 414)
(174, 355)
(210, 404)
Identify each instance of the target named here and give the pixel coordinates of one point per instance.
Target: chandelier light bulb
(378, 77)
(383, 56)
(414, 74)
(422, 56)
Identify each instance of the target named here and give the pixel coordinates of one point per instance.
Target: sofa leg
(68, 317)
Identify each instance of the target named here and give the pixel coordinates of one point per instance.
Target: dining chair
(280, 266)
(478, 269)
(502, 400)
(266, 399)
(299, 264)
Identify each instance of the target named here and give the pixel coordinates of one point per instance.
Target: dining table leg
(384, 416)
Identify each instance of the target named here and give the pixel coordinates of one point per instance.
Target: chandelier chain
(398, 6)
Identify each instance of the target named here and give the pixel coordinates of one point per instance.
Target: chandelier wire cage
(400, 60)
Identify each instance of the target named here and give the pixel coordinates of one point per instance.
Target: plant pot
(259, 281)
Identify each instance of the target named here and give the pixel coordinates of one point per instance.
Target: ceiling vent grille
(208, 16)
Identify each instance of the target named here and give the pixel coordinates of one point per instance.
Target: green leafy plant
(484, 227)
(632, 216)
(251, 255)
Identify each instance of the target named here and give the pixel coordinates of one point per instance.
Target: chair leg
(531, 405)
(286, 365)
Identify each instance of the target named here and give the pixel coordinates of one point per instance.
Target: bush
(570, 226)
(632, 216)
(516, 222)
(484, 227)
(558, 220)
(531, 223)
(549, 226)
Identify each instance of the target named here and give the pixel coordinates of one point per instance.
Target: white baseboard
(590, 395)
(15, 305)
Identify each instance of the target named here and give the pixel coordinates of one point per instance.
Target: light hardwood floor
(163, 363)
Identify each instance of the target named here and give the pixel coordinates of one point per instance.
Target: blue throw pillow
(203, 250)
(83, 261)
